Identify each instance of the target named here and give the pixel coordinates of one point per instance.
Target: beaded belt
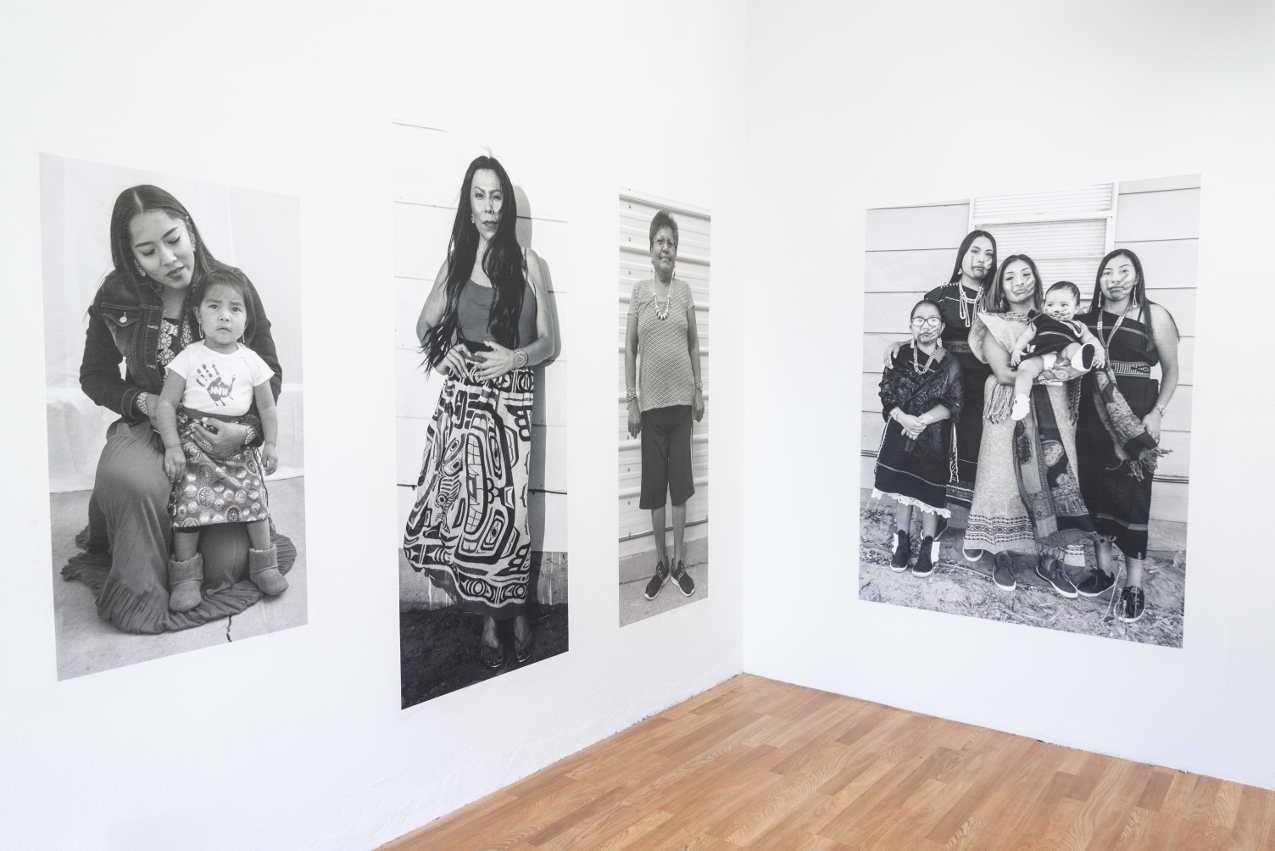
(958, 347)
(1121, 367)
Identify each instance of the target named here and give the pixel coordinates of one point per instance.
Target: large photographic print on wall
(665, 251)
(1028, 367)
(172, 330)
(481, 408)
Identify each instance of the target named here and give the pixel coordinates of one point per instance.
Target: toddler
(1049, 337)
(217, 377)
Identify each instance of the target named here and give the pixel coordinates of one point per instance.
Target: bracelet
(520, 359)
(1163, 409)
(699, 385)
(925, 419)
(630, 395)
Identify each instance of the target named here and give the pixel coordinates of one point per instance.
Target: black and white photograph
(174, 393)
(1026, 410)
(664, 313)
(481, 410)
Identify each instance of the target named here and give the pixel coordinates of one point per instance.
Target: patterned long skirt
(468, 529)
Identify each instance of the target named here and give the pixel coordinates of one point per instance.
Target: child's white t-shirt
(217, 383)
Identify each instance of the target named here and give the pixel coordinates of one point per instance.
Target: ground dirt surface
(961, 587)
(438, 649)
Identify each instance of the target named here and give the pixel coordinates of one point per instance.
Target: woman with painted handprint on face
(957, 301)
(1121, 413)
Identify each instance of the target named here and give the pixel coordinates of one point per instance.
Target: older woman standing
(662, 401)
(140, 316)
(1027, 496)
(485, 323)
(1121, 411)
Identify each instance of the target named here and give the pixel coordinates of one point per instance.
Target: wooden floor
(760, 764)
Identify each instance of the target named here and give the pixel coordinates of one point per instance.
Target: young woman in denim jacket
(140, 317)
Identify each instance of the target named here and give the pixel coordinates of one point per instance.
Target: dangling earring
(193, 243)
(140, 271)
(471, 218)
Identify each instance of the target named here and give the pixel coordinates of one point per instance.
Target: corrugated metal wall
(429, 166)
(910, 250)
(693, 256)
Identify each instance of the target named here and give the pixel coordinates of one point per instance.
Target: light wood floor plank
(758, 764)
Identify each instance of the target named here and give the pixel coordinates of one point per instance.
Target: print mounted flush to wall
(1067, 510)
(663, 423)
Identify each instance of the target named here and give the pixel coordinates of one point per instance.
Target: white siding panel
(907, 228)
(916, 271)
(1159, 216)
(1173, 264)
(1160, 184)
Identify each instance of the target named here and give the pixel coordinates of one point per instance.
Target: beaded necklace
(662, 313)
(967, 303)
(916, 366)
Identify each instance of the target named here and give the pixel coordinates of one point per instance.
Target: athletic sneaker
(1096, 583)
(683, 579)
(1131, 604)
(901, 546)
(925, 561)
(1003, 572)
(1051, 570)
(657, 581)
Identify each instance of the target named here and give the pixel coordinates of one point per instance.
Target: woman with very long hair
(486, 323)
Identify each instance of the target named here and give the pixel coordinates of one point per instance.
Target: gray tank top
(474, 312)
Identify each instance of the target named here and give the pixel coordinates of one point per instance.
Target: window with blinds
(1066, 232)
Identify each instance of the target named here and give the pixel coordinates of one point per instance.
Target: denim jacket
(124, 321)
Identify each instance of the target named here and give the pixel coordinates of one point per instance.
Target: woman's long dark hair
(145, 199)
(1139, 296)
(502, 262)
(964, 249)
(994, 300)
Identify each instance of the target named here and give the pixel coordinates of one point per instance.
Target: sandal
(491, 657)
(522, 652)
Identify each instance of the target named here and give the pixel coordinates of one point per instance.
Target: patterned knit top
(664, 357)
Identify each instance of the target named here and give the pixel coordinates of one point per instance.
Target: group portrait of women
(182, 526)
(1023, 424)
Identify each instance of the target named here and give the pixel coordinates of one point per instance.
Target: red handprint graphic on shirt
(209, 378)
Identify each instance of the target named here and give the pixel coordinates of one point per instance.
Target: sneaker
(1131, 604)
(1003, 572)
(683, 579)
(901, 547)
(657, 581)
(1097, 583)
(1051, 570)
(925, 561)
(1021, 406)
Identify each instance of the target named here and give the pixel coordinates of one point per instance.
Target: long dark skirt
(128, 540)
(1119, 503)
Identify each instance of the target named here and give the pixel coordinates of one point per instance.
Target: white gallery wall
(296, 739)
(858, 106)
